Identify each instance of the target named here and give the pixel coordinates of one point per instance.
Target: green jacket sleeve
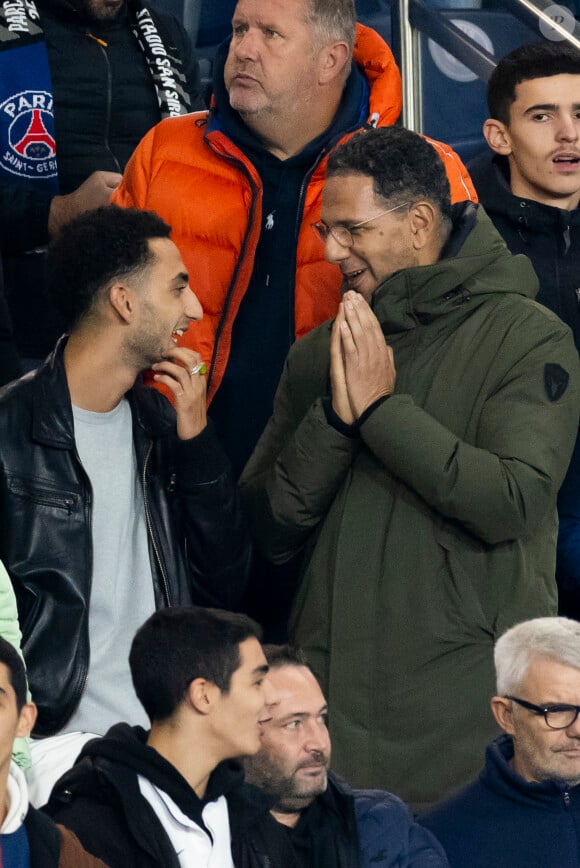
(296, 469)
(500, 487)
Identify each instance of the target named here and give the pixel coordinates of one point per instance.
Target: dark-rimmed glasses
(559, 716)
(342, 234)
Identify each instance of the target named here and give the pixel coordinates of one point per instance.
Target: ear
(502, 710)
(202, 695)
(497, 136)
(333, 59)
(122, 300)
(27, 720)
(423, 220)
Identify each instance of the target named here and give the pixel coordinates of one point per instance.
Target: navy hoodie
(503, 820)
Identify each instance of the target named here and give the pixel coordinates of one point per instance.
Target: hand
(92, 193)
(188, 389)
(369, 364)
(340, 399)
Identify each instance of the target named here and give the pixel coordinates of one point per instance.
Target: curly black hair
(94, 249)
(403, 165)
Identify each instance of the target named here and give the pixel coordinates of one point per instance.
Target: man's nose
(568, 128)
(191, 305)
(333, 251)
(573, 731)
(317, 738)
(246, 45)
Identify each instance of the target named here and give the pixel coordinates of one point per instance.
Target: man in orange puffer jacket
(242, 184)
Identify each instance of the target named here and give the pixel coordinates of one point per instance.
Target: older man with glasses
(525, 808)
(413, 459)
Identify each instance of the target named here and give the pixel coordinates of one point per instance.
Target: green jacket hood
(475, 264)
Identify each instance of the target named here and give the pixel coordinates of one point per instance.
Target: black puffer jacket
(198, 547)
(104, 103)
(549, 236)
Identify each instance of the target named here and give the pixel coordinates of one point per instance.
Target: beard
(292, 791)
(100, 10)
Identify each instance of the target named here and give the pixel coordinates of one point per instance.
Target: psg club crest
(28, 148)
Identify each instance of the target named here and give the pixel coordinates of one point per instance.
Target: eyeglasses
(556, 716)
(342, 234)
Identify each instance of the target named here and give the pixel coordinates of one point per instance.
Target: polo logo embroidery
(555, 380)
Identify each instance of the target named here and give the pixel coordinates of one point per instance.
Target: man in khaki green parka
(414, 455)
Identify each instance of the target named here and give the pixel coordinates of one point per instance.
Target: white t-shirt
(122, 595)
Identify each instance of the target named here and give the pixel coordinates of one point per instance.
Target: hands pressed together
(362, 365)
(176, 372)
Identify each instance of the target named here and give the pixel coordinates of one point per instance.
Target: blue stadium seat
(213, 27)
(454, 105)
(187, 11)
(375, 14)
(215, 21)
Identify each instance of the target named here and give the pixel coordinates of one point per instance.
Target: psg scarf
(27, 143)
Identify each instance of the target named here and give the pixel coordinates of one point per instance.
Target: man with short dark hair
(317, 820)
(167, 798)
(524, 809)
(413, 458)
(81, 82)
(296, 78)
(530, 183)
(27, 837)
(112, 503)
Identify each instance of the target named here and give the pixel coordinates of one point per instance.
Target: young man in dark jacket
(317, 820)
(112, 502)
(81, 82)
(524, 810)
(530, 183)
(28, 839)
(171, 796)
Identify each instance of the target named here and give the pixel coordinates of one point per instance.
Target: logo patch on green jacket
(555, 380)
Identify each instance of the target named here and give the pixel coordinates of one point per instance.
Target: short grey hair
(332, 20)
(555, 638)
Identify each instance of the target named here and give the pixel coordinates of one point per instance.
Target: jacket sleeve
(91, 816)
(389, 837)
(72, 853)
(10, 630)
(295, 472)
(9, 626)
(210, 516)
(501, 487)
